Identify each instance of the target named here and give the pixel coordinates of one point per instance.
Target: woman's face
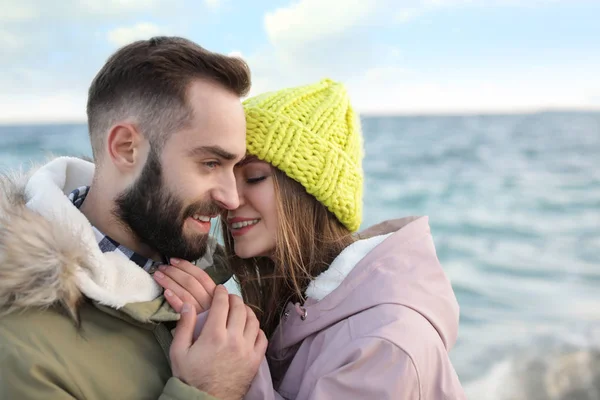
(253, 224)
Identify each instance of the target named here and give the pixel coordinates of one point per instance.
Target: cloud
(42, 13)
(47, 52)
(31, 10)
(51, 52)
(33, 29)
(310, 39)
(17, 11)
(49, 48)
(594, 97)
(62, 106)
(124, 35)
(409, 14)
(213, 4)
(414, 10)
(313, 20)
(10, 42)
(236, 53)
(112, 7)
(389, 90)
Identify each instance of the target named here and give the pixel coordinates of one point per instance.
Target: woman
(368, 316)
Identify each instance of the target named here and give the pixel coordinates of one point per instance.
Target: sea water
(514, 206)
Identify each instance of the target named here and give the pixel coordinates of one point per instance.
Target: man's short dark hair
(148, 80)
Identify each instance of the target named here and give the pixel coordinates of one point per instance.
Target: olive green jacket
(76, 323)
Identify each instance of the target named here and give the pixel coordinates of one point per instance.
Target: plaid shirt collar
(108, 244)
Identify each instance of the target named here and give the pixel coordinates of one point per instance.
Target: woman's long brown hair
(308, 239)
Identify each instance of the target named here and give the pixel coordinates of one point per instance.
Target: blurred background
(482, 114)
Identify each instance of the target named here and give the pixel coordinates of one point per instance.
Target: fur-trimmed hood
(48, 251)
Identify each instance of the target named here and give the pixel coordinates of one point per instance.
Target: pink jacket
(378, 324)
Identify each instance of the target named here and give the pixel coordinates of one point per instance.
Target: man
(81, 315)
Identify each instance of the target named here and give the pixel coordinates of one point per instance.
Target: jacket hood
(393, 263)
(48, 251)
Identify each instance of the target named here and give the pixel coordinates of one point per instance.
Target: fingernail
(223, 288)
(159, 275)
(186, 308)
(162, 267)
(168, 293)
(175, 261)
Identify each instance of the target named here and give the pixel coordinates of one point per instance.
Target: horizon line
(368, 114)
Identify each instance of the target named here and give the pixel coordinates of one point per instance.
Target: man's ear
(124, 146)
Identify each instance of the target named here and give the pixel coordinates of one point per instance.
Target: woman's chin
(245, 251)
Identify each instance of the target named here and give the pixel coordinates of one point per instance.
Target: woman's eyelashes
(255, 179)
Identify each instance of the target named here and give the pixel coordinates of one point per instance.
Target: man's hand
(225, 358)
(185, 283)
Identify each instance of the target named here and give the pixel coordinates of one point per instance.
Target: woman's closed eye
(255, 179)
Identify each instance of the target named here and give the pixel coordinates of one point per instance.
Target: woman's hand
(185, 283)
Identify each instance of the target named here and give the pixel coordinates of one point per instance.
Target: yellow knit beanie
(313, 135)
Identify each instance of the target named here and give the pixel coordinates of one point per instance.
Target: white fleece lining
(343, 264)
(113, 279)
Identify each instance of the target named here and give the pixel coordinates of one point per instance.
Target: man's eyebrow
(212, 150)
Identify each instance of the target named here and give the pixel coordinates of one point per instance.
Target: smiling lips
(203, 218)
(240, 226)
(201, 223)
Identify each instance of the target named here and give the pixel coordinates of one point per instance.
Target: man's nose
(226, 194)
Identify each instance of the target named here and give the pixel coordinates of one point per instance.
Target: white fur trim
(113, 280)
(343, 264)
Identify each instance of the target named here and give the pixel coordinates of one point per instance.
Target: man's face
(191, 181)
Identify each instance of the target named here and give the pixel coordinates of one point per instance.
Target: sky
(395, 56)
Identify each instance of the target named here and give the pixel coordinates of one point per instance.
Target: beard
(157, 216)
